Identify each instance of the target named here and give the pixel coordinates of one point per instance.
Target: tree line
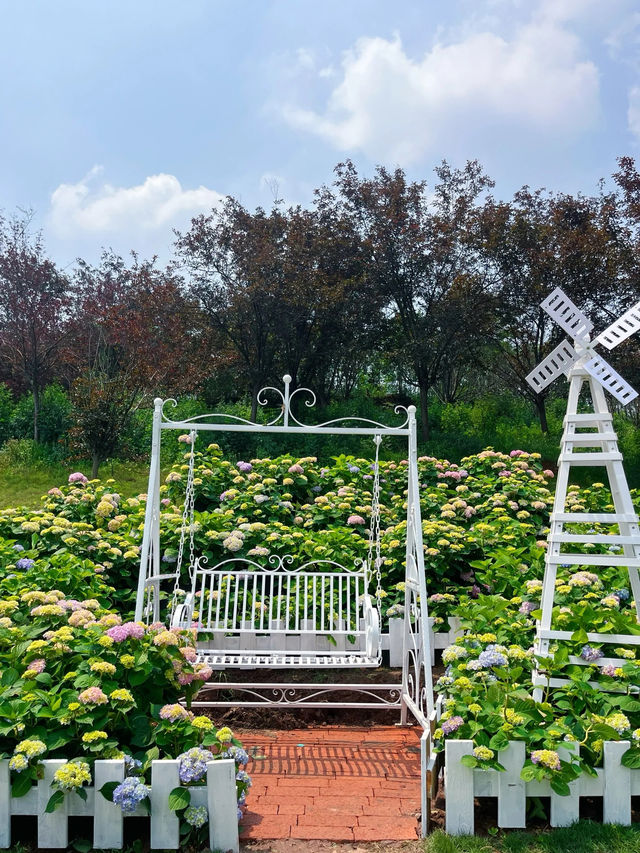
(430, 289)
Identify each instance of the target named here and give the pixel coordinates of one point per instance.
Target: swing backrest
(239, 597)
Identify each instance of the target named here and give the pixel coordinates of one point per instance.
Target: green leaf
(56, 799)
(579, 636)
(9, 677)
(82, 845)
(138, 677)
(107, 790)
(179, 798)
(81, 793)
(499, 741)
(21, 785)
(559, 786)
(528, 773)
(469, 761)
(631, 757)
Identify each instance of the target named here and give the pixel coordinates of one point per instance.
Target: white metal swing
(318, 615)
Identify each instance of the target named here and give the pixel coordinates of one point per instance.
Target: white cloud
(158, 203)
(633, 111)
(393, 106)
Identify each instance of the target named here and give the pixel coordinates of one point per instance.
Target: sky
(122, 119)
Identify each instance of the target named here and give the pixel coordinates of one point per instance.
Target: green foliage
(54, 417)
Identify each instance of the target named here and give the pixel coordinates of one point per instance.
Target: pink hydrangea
(119, 633)
(296, 469)
(92, 696)
(37, 665)
(203, 672)
(355, 519)
(78, 477)
(548, 473)
(55, 492)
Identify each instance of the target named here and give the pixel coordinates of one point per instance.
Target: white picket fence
(218, 795)
(615, 783)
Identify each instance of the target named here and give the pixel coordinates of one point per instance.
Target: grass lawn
(583, 837)
(25, 485)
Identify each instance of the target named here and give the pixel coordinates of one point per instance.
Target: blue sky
(121, 120)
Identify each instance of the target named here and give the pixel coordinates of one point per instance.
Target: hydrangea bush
(84, 681)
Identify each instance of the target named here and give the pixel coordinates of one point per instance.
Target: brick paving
(333, 783)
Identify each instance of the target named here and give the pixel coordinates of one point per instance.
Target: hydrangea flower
(546, 758)
(25, 563)
(32, 748)
(451, 725)
(491, 657)
(174, 712)
(72, 775)
(193, 764)
(196, 816)
(130, 793)
(355, 519)
(483, 753)
(127, 630)
(78, 477)
(591, 654)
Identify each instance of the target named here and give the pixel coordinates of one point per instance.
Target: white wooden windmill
(589, 439)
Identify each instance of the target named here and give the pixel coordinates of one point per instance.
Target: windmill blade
(559, 361)
(561, 309)
(609, 379)
(621, 329)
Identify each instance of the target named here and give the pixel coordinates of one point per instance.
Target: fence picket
(566, 810)
(616, 802)
(5, 804)
(222, 806)
(53, 827)
(107, 816)
(459, 818)
(165, 825)
(512, 798)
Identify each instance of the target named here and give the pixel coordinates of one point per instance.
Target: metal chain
(187, 515)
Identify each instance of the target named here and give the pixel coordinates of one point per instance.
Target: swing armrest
(183, 614)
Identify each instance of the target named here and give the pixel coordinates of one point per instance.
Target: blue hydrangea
(237, 753)
(622, 594)
(131, 765)
(196, 816)
(353, 469)
(18, 548)
(130, 793)
(591, 654)
(25, 563)
(243, 776)
(193, 764)
(490, 657)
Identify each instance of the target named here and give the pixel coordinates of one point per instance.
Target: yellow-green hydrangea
(72, 776)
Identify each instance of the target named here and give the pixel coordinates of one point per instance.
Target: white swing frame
(415, 694)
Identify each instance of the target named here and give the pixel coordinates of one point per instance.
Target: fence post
(222, 805)
(616, 801)
(53, 830)
(165, 824)
(458, 788)
(107, 816)
(5, 804)
(512, 798)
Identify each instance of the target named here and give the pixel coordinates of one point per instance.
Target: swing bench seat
(251, 617)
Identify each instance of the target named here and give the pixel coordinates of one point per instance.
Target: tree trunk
(542, 412)
(254, 403)
(95, 465)
(424, 409)
(36, 411)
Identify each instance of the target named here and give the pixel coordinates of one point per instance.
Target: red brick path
(333, 783)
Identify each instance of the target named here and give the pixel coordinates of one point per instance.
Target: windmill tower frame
(589, 440)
